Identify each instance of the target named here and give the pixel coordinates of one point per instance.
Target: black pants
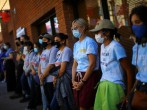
(49, 91)
(18, 89)
(10, 75)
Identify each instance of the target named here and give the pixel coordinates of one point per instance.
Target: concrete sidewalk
(8, 104)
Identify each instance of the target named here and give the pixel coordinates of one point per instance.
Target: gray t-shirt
(65, 56)
(47, 57)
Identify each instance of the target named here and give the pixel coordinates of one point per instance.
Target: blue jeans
(30, 80)
(44, 99)
(25, 85)
(54, 104)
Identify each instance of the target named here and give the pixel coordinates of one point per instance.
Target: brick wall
(29, 11)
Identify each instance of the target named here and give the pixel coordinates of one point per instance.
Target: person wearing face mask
(19, 47)
(26, 76)
(23, 39)
(113, 60)
(85, 68)
(138, 20)
(9, 66)
(35, 82)
(62, 82)
(47, 60)
(19, 69)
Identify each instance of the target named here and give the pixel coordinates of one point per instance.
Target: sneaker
(15, 96)
(24, 100)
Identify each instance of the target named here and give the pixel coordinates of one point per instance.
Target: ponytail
(116, 35)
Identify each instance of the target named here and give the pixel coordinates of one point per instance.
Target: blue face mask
(76, 33)
(40, 41)
(36, 50)
(139, 30)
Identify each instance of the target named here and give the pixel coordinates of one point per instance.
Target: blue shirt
(110, 65)
(27, 61)
(35, 62)
(8, 52)
(65, 56)
(47, 57)
(140, 62)
(81, 51)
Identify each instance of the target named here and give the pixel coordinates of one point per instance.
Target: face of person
(139, 28)
(99, 32)
(22, 39)
(58, 42)
(76, 26)
(57, 39)
(44, 39)
(136, 20)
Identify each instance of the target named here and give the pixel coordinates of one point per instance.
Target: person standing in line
(47, 60)
(85, 73)
(35, 82)
(9, 66)
(24, 82)
(19, 69)
(23, 39)
(113, 60)
(64, 59)
(26, 76)
(138, 20)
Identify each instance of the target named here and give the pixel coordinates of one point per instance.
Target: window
(48, 23)
(52, 25)
(119, 12)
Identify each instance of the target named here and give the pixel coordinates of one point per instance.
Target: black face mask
(57, 44)
(17, 44)
(22, 42)
(44, 44)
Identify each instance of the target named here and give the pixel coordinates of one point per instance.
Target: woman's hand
(33, 72)
(40, 76)
(55, 81)
(77, 85)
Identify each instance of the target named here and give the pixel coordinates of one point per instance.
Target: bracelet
(83, 81)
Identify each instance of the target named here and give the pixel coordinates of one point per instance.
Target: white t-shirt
(140, 62)
(47, 57)
(110, 65)
(65, 56)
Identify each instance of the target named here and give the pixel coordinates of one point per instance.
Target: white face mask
(99, 38)
(5, 47)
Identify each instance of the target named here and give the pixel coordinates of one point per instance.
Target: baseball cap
(48, 36)
(103, 24)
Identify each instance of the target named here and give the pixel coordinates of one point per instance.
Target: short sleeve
(134, 54)
(92, 48)
(66, 55)
(119, 51)
(74, 51)
(31, 56)
(52, 56)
